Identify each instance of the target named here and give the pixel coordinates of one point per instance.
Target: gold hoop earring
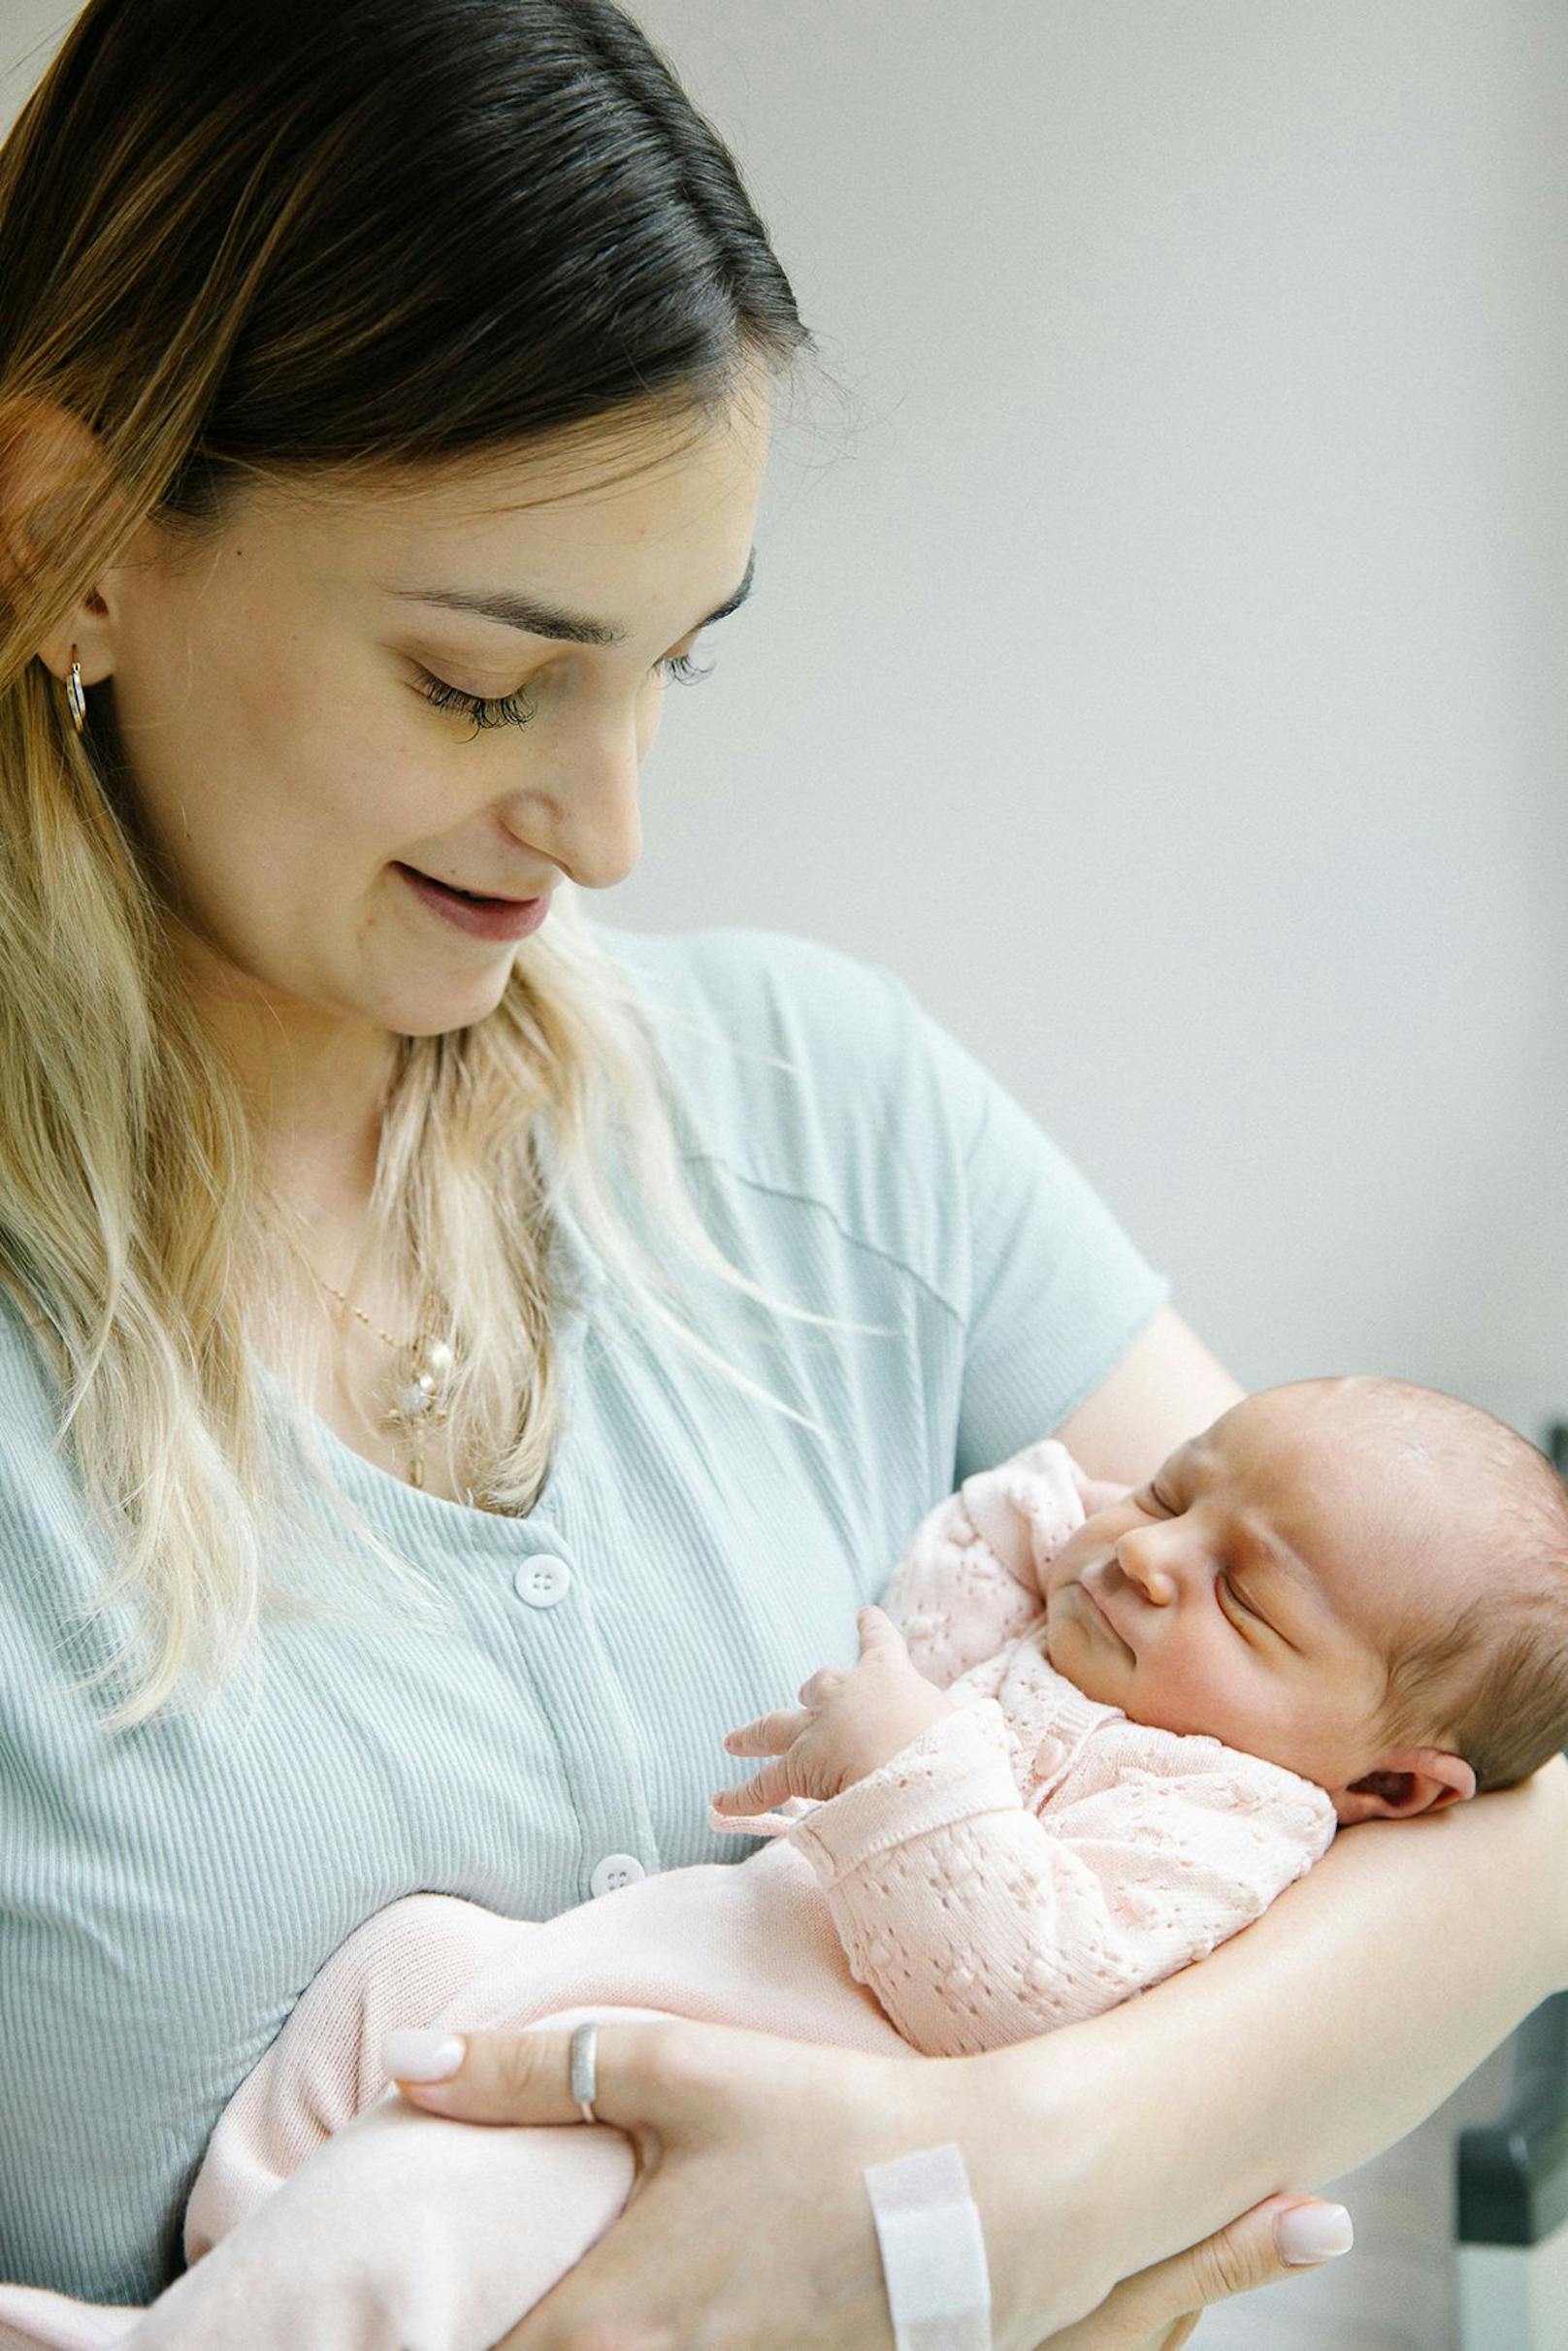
(74, 694)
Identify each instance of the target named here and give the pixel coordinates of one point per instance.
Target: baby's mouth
(1095, 1601)
(1099, 1611)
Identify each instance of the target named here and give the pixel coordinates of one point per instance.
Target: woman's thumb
(525, 2074)
(1267, 2242)
(1270, 2242)
(1157, 2309)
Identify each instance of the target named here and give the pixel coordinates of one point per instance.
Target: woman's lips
(485, 898)
(482, 918)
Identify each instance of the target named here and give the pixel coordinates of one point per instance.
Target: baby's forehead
(1394, 1420)
(1400, 1531)
(1334, 1437)
(1342, 1517)
(1410, 1509)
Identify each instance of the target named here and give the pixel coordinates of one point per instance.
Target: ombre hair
(236, 246)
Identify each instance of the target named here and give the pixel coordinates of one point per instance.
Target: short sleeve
(1057, 1292)
(889, 1176)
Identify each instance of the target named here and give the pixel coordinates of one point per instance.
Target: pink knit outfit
(1030, 1860)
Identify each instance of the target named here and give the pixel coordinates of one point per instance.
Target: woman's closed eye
(516, 709)
(501, 710)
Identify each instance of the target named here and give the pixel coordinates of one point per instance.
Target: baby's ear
(1420, 1780)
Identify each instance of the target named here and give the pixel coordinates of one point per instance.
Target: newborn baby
(1113, 1727)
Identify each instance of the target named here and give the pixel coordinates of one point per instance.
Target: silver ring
(585, 2068)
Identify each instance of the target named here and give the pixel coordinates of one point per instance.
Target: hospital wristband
(934, 2255)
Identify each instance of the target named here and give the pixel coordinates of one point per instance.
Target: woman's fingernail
(409, 2056)
(1310, 2233)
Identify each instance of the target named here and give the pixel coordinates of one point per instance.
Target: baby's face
(1253, 1590)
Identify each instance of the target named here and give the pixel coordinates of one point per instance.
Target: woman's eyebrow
(537, 619)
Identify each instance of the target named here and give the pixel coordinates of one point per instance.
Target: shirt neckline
(579, 1281)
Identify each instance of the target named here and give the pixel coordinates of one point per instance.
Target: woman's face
(270, 701)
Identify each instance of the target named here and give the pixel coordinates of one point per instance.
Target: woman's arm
(1317, 2037)
(1165, 1389)
(1308, 2043)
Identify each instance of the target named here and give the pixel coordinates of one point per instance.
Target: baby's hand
(847, 1724)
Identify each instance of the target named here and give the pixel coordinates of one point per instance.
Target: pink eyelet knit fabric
(1030, 1860)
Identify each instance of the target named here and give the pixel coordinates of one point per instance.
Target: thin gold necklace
(424, 1399)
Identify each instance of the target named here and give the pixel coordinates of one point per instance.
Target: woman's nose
(594, 830)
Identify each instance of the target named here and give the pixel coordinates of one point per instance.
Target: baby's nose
(1138, 1557)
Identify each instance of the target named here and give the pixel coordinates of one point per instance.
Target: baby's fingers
(770, 1786)
(770, 1734)
(877, 1630)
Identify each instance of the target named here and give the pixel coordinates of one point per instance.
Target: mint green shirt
(167, 1893)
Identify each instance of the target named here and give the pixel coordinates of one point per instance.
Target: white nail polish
(409, 2056)
(1312, 2233)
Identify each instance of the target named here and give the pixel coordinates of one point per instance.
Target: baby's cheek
(1190, 1697)
(1070, 1651)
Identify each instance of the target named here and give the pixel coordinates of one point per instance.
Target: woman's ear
(1420, 1780)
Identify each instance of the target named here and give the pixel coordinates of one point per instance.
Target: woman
(384, 398)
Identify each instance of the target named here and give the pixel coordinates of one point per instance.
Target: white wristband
(934, 2255)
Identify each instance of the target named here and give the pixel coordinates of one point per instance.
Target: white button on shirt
(616, 1870)
(543, 1579)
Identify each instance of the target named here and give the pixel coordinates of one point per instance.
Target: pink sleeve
(972, 1578)
(978, 1920)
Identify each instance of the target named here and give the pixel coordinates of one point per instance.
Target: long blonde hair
(248, 264)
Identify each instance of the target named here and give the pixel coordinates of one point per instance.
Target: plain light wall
(1160, 663)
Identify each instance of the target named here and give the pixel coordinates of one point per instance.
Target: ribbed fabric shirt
(168, 1892)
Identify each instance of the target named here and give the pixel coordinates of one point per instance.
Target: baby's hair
(1490, 1684)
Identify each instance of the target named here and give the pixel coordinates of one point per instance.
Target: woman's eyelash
(682, 667)
(516, 709)
(504, 710)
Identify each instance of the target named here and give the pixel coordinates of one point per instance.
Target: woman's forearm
(1319, 2034)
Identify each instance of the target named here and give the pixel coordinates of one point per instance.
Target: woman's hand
(748, 2226)
(1157, 2310)
(848, 1722)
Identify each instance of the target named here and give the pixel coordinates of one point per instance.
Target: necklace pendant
(423, 1401)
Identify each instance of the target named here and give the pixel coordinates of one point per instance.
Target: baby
(1095, 1733)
